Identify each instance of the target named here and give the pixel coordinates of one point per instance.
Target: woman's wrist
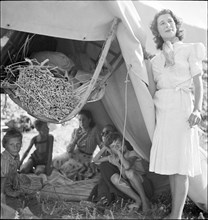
(197, 110)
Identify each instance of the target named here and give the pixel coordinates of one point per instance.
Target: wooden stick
(6, 85)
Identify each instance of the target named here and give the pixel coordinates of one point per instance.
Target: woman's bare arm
(27, 151)
(195, 117)
(71, 146)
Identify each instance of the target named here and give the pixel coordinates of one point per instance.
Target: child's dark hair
(11, 133)
(157, 38)
(38, 124)
(111, 137)
(112, 127)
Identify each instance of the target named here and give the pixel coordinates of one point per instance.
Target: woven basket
(48, 96)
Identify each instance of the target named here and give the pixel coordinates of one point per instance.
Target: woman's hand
(195, 118)
(77, 135)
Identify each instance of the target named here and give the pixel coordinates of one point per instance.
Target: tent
(81, 27)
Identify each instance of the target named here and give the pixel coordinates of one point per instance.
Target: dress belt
(178, 88)
(183, 88)
(81, 151)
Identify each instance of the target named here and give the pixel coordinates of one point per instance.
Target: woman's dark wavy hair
(88, 114)
(153, 27)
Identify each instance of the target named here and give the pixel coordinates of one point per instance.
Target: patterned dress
(175, 146)
(79, 164)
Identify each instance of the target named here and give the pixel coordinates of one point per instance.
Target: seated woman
(131, 178)
(40, 160)
(76, 164)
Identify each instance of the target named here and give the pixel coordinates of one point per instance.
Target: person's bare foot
(133, 206)
(146, 206)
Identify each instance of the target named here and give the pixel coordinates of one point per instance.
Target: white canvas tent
(127, 101)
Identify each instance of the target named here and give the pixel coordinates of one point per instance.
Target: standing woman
(175, 145)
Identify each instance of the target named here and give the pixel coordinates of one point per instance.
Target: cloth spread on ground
(61, 187)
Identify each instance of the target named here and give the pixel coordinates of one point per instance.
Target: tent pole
(110, 38)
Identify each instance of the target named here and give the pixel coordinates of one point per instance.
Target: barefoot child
(40, 159)
(131, 180)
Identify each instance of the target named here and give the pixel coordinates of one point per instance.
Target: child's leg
(136, 182)
(123, 186)
(27, 167)
(180, 190)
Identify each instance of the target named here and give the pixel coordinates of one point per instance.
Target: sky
(191, 12)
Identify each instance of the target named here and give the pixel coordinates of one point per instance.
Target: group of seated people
(118, 166)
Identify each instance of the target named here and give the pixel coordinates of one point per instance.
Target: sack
(56, 59)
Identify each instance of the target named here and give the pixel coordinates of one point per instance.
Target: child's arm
(102, 159)
(98, 156)
(50, 153)
(114, 160)
(125, 163)
(27, 151)
(133, 153)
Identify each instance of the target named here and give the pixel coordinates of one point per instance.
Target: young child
(13, 184)
(40, 160)
(131, 180)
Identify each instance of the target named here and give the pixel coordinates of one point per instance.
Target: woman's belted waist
(183, 94)
(177, 88)
(81, 151)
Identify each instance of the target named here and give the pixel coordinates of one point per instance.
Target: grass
(60, 209)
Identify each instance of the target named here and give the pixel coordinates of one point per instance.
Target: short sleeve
(197, 54)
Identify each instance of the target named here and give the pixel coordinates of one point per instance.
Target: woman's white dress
(175, 146)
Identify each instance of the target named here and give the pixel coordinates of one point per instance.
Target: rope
(125, 115)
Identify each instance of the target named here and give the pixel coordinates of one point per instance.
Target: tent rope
(125, 115)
